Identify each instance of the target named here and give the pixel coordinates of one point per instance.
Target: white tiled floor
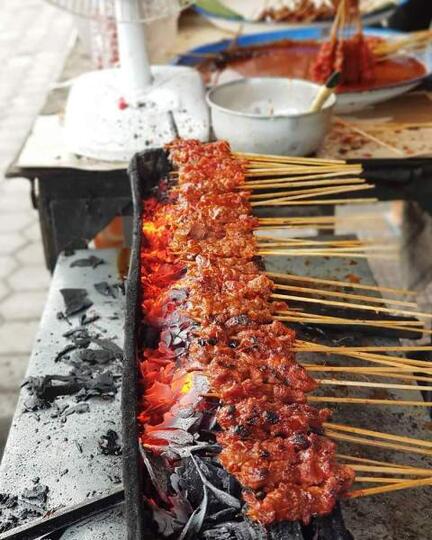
(34, 41)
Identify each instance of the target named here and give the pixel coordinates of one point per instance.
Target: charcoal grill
(145, 172)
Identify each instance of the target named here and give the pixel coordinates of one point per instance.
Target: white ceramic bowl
(268, 115)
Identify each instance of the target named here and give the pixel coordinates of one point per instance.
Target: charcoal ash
(88, 262)
(30, 504)
(8, 501)
(75, 300)
(36, 496)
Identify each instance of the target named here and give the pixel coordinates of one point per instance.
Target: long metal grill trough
(184, 492)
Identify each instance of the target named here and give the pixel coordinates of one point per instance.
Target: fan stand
(113, 113)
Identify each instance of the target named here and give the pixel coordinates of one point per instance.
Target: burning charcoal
(75, 300)
(178, 295)
(175, 437)
(187, 479)
(91, 261)
(105, 289)
(208, 477)
(166, 522)
(223, 516)
(159, 474)
(196, 520)
(109, 445)
(232, 530)
(285, 530)
(331, 527)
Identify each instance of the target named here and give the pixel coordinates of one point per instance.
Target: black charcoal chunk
(109, 443)
(105, 289)
(76, 300)
(331, 527)
(196, 520)
(66, 350)
(109, 345)
(87, 262)
(233, 530)
(96, 357)
(81, 408)
(286, 530)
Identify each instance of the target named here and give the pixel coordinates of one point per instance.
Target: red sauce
(288, 58)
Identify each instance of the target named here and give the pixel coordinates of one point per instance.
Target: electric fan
(113, 113)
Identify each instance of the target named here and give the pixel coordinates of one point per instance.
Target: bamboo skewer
(377, 434)
(273, 173)
(305, 194)
(378, 444)
(285, 159)
(360, 307)
(306, 219)
(392, 470)
(352, 401)
(368, 401)
(367, 135)
(323, 183)
(384, 464)
(349, 296)
(293, 277)
(388, 373)
(400, 348)
(362, 384)
(271, 241)
(413, 41)
(324, 202)
(378, 480)
(354, 322)
(301, 316)
(393, 361)
(325, 253)
(387, 489)
(296, 181)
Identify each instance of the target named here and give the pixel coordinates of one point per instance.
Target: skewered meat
(208, 317)
(349, 54)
